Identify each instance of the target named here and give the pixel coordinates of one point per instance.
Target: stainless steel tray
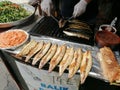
(95, 72)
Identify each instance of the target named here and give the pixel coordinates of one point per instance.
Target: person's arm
(88, 1)
(80, 7)
(33, 2)
(46, 6)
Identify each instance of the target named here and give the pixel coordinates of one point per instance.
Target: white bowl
(108, 28)
(14, 46)
(29, 9)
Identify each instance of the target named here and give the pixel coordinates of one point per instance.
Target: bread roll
(109, 64)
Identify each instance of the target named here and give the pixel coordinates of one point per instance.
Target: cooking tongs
(36, 4)
(63, 21)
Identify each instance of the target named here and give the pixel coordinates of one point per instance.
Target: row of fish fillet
(58, 55)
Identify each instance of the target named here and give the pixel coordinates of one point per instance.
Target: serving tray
(95, 72)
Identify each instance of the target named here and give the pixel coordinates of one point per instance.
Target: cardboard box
(43, 80)
(32, 78)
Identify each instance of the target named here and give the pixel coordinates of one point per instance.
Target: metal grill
(48, 26)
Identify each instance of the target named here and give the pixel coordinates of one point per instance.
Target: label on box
(43, 80)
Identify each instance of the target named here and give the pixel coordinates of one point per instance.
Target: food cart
(30, 77)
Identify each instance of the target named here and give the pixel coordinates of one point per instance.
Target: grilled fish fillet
(48, 56)
(34, 50)
(66, 61)
(41, 53)
(76, 34)
(57, 57)
(86, 65)
(75, 64)
(109, 64)
(77, 22)
(27, 48)
(78, 26)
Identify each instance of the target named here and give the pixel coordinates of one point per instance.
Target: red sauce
(106, 38)
(12, 38)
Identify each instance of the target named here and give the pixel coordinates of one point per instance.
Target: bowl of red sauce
(13, 38)
(107, 38)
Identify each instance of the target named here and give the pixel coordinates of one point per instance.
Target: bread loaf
(109, 64)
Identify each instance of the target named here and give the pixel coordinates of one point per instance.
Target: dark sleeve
(116, 8)
(115, 13)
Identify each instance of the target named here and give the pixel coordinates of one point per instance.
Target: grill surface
(48, 26)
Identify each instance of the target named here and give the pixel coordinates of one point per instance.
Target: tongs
(37, 5)
(41, 13)
(63, 21)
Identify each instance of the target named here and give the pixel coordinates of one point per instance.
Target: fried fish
(41, 53)
(76, 34)
(57, 57)
(27, 48)
(66, 61)
(75, 64)
(34, 50)
(48, 56)
(86, 65)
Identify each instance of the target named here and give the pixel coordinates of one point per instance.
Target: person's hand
(79, 8)
(34, 2)
(46, 6)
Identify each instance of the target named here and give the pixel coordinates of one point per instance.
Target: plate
(27, 7)
(13, 38)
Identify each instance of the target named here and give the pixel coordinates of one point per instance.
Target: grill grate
(47, 26)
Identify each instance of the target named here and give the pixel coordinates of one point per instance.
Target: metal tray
(95, 72)
(29, 8)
